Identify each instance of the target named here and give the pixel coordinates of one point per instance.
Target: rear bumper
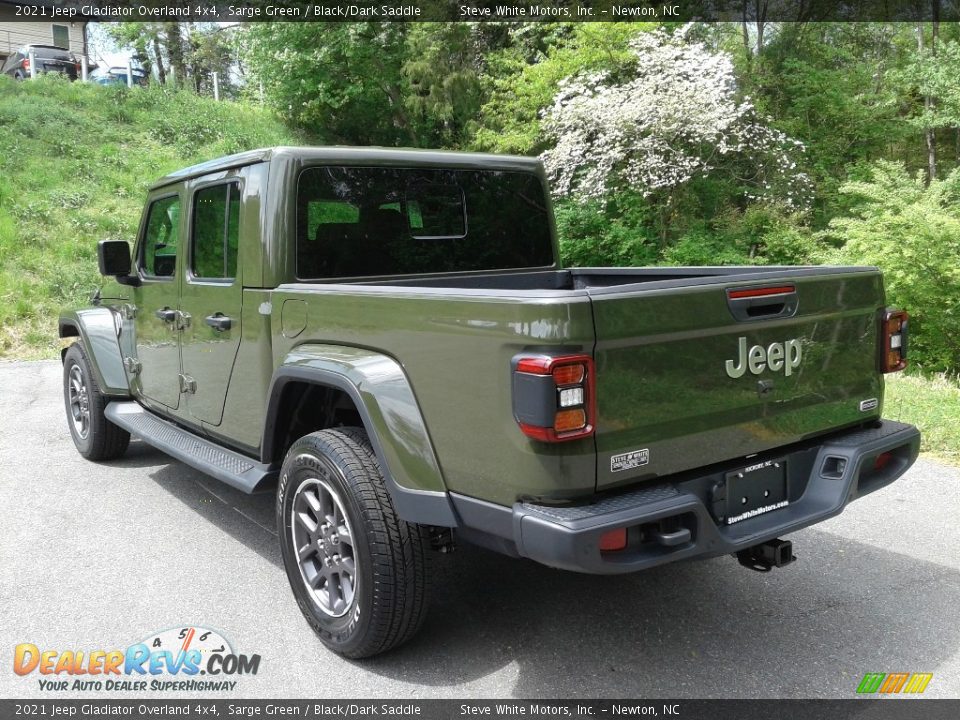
(669, 521)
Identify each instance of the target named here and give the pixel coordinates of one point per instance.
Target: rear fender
(385, 401)
(96, 329)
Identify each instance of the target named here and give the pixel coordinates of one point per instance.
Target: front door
(156, 300)
(211, 298)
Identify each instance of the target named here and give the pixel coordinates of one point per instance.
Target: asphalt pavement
(100, 556)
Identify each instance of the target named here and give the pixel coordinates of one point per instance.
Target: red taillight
(613, 540)
(553, 397)
(893, 341)
(760, 292)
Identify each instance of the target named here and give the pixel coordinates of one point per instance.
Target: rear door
(211, 296)
(727, 367)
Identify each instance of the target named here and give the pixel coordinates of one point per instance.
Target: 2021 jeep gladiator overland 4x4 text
(387, 336)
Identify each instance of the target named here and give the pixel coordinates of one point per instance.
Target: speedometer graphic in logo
(184, 639)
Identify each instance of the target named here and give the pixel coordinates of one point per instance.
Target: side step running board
(236, 470)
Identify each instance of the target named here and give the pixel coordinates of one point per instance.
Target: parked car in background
(48, 59)
(118, 76)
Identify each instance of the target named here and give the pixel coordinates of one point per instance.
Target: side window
(158, 257)
(216, 232)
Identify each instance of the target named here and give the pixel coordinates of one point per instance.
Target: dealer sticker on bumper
(629, 460)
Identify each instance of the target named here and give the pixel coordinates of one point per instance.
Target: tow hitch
(768, 555)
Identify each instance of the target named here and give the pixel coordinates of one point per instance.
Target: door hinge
(132, 365)
(129, 312)
(187, 384)
(183, 320)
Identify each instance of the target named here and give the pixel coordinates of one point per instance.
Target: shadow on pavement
(248, 518)
(813, 629)
(138, 455)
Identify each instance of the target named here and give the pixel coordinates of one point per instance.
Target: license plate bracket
(756, 490)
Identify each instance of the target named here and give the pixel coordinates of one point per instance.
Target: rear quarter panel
(455, 348)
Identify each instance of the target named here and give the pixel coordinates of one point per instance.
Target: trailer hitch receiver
(768, 555)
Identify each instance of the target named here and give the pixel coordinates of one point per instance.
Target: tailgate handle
(762, 302)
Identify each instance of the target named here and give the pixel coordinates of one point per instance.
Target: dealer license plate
(756, 490)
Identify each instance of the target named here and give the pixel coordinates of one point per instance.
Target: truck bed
(661, 339)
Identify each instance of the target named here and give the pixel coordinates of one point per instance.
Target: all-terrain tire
(96, 437)
(334, 473)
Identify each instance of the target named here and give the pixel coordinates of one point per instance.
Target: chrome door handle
(166, 314)
(218, 322)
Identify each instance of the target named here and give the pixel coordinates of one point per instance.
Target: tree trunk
(761, 23)
(175, 52)
(746, 37)
(929, 136)
(158, 61)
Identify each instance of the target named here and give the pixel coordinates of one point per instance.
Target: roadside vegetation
(765, 143)
(75, 163)
(932, 403)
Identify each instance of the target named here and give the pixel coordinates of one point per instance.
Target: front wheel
(96, 437)
(358, 572)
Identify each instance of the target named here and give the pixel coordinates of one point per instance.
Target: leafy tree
(443, 71)
(830, 86)
(523, 78)
(342, 81)
(929, 83)
(147, 39)
(675, 118)
(912, 232)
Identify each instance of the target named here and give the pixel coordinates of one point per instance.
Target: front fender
(97, 331)
(382, 394)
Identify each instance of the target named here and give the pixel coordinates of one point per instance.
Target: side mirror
(114, 259)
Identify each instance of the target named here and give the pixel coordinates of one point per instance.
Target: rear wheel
(358, 572)
(96, 437)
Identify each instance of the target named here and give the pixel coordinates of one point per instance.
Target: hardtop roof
(370, 156)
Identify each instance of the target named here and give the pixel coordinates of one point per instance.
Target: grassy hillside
(75, 162)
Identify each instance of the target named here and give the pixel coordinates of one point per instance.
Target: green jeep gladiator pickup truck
(388, 339)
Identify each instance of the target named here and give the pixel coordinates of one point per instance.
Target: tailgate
(694, 374)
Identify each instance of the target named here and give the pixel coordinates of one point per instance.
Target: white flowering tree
(675, 118)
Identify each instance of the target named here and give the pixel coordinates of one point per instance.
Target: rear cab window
(360, 222)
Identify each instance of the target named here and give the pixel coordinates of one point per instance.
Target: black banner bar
(203, 709)
(481, 10)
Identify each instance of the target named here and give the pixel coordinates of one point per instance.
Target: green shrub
(618, 233)
(912, 233)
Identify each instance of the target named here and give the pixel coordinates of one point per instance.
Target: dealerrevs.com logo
(893, 683)
(175, 660)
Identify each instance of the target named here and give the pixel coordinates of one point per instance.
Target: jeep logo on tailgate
(776, 356)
